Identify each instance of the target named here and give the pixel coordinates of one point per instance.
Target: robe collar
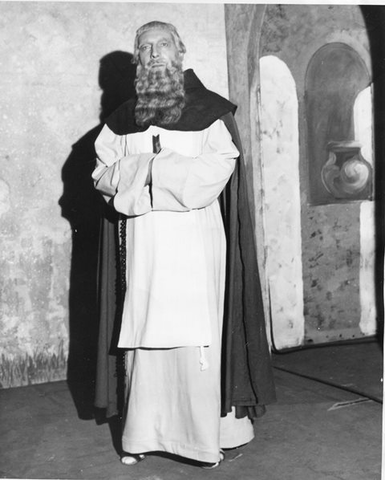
(202, 108)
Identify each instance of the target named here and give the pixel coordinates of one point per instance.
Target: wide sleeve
(181, 183)
(120, 175)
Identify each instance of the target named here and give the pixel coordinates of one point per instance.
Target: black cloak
(247, 377)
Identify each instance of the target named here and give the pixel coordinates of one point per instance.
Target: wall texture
(50, 64)
(334, 261)
(331, 243)
(65, 65)
(281, 199)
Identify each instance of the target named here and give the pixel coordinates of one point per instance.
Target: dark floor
(324, 429)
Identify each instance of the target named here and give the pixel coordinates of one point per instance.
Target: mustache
(172, 66)
(155, 61)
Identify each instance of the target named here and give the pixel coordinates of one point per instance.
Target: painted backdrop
(62, 67)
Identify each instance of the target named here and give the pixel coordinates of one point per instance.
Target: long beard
(160, 95)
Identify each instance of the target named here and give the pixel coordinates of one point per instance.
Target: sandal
(210, 466)
(133, 459)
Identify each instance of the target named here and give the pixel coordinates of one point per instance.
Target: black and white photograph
(192, 228)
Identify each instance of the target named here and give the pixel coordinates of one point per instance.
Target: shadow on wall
(85, 209)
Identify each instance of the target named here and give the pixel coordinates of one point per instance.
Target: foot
(128, 459)
(210, 466)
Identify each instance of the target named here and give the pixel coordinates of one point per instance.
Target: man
(164, 161)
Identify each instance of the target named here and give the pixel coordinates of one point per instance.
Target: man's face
(157, 49)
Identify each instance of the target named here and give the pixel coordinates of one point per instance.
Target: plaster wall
(363, 122)
(334, 261)
(49, 67)
(241, 21)
(281, 200)
(331, 239)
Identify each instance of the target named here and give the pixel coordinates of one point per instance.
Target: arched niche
(337, 170)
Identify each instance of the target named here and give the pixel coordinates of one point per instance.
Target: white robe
(173, 309)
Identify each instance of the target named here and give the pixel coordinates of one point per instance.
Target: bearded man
(197, 364)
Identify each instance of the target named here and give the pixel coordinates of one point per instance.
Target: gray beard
(160, 95)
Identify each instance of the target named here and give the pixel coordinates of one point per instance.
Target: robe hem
(175, 448)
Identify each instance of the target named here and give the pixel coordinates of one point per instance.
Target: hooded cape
(247, 378)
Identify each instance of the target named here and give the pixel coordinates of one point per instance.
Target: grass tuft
(41, 367)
